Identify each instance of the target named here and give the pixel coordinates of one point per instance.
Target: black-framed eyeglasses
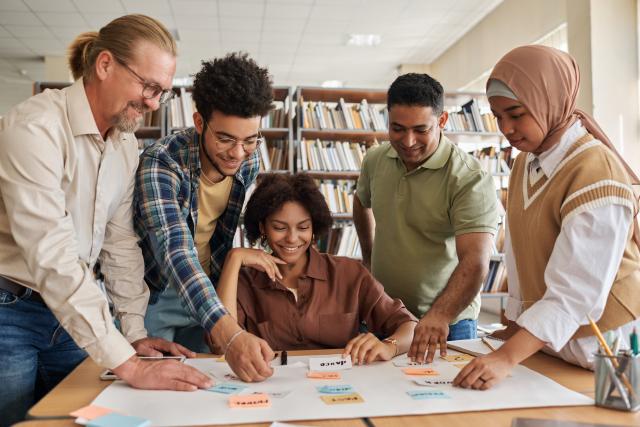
(248, 145)
(150, 90)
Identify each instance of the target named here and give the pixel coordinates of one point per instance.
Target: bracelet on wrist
(235, 335)
(394, 342)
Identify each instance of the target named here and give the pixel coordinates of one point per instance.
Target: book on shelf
(342, 240)
(273, 155)
(338, 194)
(277, 117)
(340, 115)
(317, 155)
(494, 160)
(470, 117)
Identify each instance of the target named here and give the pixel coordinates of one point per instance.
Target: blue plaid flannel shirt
(165, 216)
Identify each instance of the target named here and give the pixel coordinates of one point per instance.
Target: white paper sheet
(475, 346)
(382, 385)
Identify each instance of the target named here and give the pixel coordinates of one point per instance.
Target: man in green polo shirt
(426, 213)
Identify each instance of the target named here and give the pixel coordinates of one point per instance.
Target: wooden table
(83, 385)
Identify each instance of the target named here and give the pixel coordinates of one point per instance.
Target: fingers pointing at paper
(162, 375)
(431, 331)
(484, 372)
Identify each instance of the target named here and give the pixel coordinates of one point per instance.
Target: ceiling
(302, 42)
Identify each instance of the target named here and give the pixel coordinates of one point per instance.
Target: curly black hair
(416, 89)
(234, 85)
(274, 190)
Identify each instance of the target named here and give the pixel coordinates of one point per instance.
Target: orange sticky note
(342, 399)
(90, 412)
(257, 400)
(420, 371)
(323, 375)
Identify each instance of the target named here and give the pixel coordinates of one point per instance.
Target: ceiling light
(332, 83)
(364, 39)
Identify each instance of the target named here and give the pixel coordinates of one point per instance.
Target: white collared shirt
(66, 202)
(580, 271)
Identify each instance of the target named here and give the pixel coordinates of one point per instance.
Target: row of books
(494, 160)
(151, 119)
(277, 118)
(181, 109)
(469, 118)
(342, 240)
(338, 194)
(331, 155)
(274, 155)
(340, 115)
(496, 280)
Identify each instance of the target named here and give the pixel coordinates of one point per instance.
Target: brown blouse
(335, 294)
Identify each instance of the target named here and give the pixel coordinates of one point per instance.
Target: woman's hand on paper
(366, 348)
(484, 372)
(162, 375)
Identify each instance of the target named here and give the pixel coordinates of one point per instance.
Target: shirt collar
(438, 159)
(79, 111)
(550, 159)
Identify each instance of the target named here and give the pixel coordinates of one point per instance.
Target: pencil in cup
(611, 392)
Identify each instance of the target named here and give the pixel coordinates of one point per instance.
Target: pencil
(609, 353)
(488, 344)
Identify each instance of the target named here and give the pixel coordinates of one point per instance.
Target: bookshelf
(154, 122)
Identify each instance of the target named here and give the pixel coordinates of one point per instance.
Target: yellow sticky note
(220, 359)
(420, 371)
(90, 412)
(457, 357)
(257, 400)
(342, 399)
(323, 375)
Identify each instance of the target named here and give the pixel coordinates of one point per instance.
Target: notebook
(475, 347)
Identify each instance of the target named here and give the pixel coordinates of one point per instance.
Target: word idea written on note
(342, 399)
(335, 389)
(323, 375)
(427, 394)
(457, 357)
(257, 400)
(430, 382)
(321, 364)
(403, 363)
(420, 371)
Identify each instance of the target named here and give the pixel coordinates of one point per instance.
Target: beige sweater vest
(589, 176)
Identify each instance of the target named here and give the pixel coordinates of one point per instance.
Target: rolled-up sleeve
(32, 178)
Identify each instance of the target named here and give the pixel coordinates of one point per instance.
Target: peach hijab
(546, 81)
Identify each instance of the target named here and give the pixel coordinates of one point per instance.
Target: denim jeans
(463, 330)
(168, 319)
(36, 354)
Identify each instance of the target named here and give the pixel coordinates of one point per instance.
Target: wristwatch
(395, 344)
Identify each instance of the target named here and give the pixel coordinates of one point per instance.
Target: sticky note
(335, 389)
(257, 400)
(335, 363)
(231, 377)
(220, 359)
(402, 363)
(227, 388)
(323, 375)
(430, 382)
(116, 420)
(457, 357)
(427, 394)
(90, 412)
(278, 394)
(420, 371)
(342, 399)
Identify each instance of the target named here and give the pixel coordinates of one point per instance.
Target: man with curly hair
(190, 188)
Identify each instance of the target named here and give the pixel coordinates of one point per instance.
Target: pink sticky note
(419, 371)
(256, 400)
(322, 375)
(90, 412)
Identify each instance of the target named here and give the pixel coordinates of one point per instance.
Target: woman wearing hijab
(571, 236)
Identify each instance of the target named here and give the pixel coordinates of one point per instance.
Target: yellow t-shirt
(212, 201)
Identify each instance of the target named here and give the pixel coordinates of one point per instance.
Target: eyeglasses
(150, 90)
(248, 145)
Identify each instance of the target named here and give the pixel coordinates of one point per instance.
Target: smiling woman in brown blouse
(298, 298)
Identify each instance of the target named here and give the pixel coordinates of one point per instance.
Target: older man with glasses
(190, 188)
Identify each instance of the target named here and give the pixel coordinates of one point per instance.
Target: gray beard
(124, 124)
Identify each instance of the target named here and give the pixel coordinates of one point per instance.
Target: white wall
(13, 93)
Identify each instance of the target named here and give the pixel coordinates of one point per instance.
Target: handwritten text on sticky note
(335, 389)
(257, 400)
(420, 371)
(431, 382)
(342, 399)
(427, 394)
(457, 357)
(323, 375)
(227, 388)
(329, 363)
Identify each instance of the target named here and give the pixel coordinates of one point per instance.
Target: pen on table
(283, 357)
(488, 344)
(609, 353)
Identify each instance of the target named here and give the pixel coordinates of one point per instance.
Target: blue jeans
(36, 354)
(465, 329)
(168, 319)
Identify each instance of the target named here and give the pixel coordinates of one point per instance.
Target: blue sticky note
(428, 394)
(226, 388)
(117, 420)
(335, 389)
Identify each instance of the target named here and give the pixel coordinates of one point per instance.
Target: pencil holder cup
(618, 381)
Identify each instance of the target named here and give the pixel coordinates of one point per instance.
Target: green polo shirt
(418, 214)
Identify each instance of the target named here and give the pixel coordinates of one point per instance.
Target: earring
(265, 244)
